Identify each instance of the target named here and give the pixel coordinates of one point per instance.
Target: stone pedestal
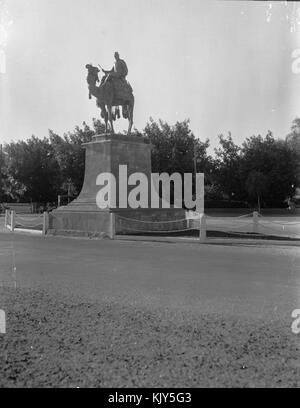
(83, 217)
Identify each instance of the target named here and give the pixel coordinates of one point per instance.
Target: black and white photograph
(149, 197)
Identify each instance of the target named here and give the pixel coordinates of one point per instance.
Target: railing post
(255, 222)
(6, 218)
(202, 229)
(112, 226)
(13, 220)
(45, 222)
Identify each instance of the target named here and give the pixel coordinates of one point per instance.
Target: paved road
(238, 280)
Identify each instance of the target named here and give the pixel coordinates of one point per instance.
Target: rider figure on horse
(117, 75)
(119, 70)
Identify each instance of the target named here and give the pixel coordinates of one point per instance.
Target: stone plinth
(104, 155)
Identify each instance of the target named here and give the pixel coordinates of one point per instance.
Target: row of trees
(262, 168)
(38, 170)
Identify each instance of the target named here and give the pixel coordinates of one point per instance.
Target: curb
(209, 241)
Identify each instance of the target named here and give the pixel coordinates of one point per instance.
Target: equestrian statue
(113, 91)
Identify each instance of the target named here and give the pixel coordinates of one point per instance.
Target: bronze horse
(107, 98)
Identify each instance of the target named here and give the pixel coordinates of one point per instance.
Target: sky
(225, 65)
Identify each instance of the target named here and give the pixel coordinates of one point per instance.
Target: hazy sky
(219, 63)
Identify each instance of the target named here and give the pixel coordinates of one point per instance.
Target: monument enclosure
(83, 217)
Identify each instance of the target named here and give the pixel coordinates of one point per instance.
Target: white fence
(251, 225)
(36, 224)
(255, 225)
(137, 226)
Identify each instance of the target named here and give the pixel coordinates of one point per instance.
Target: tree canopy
(37, 170)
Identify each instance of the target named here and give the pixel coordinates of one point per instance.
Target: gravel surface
(91, 313)
(60, 341)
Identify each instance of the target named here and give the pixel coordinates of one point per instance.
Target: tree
(256, 186)
(175, 148)
(227, 168)
(293, 138)
(38, 170)
(31, 171)
(293, 142)
(275, 160)
(70, 154)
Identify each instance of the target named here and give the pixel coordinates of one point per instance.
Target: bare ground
(58, 341)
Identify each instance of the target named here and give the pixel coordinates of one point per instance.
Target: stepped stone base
(82, 217)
